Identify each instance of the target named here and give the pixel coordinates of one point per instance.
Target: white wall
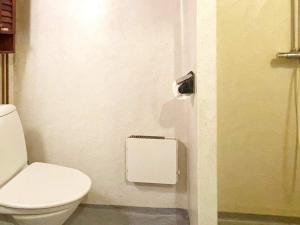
(199, 29)
(90, 73)
(189, 63)
(207, 112)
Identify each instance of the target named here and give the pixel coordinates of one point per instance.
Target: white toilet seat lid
(42, 185)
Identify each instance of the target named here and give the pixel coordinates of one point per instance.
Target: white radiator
(151, 160)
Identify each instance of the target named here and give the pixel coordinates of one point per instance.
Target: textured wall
(189, 62)
(90, 73)
(257, 172)
(207, 112)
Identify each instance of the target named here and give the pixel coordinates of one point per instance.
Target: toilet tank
(13, 154)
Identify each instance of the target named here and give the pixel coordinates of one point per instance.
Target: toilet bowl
(39, 193)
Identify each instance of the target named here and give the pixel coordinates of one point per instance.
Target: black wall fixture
(186, 84)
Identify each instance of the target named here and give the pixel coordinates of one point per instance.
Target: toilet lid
(42, 185)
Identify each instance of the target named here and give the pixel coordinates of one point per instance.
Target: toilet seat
(42, 185)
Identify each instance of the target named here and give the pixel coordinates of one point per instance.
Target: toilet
(39, 193)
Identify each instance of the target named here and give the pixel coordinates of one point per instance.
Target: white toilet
(36, 194)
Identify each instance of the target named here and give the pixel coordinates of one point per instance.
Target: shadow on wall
(291, 144)
(35, 148)
(291, 141)
(22, 50)
(23, 30)
(183, 63)
(168, 119)
(291, 137)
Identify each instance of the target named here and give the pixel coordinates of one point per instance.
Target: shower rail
(294, 53)
(289, 55)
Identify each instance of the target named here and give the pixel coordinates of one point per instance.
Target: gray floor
(111, 215)
(108, 215)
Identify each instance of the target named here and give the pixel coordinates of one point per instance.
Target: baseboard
(253, 219)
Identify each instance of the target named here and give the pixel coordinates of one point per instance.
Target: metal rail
(294, 53)
(5, 78)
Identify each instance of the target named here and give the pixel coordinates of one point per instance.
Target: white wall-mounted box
(151, 160)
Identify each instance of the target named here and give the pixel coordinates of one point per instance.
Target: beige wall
(87, 75)
(256, 113)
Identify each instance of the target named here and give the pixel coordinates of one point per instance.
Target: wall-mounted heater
(151, 160)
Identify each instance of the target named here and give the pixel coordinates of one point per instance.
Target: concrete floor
(108, 215)
(112, 215)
